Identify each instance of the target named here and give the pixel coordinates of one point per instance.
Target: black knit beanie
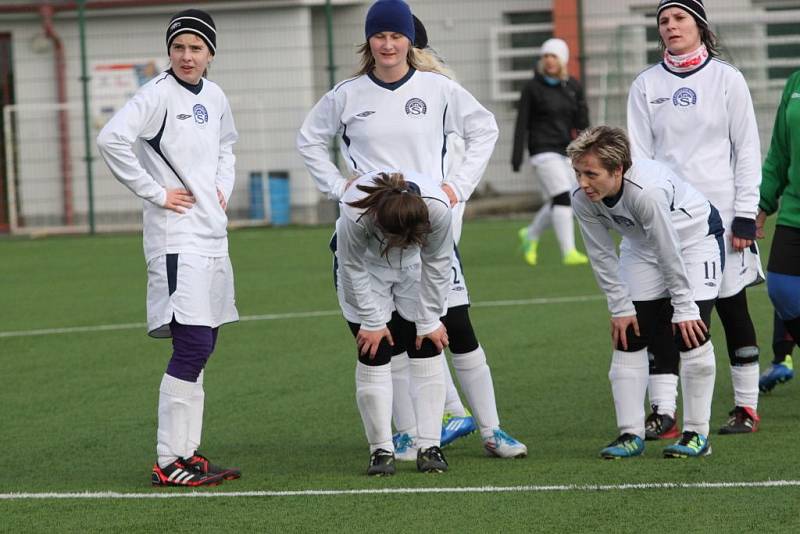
(193, 21)
(694, 7)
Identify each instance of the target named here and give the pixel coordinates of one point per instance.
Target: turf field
(78, 406)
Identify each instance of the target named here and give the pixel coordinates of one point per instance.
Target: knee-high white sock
(452, 400)
(174, 414)
(745, 385)
(197, 403)
(475, 378)
(374, 399)
(564, 228)
(540, 223)
(663, 391)
(402, 403)
(628, 377)
(427, 379)
(698, 369)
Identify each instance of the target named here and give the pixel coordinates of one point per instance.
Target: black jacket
(548, 116)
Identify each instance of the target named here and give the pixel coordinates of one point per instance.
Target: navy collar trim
(195, 89)
(393, 85)
(612, 201)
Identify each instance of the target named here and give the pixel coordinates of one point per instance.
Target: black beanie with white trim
(193, 21)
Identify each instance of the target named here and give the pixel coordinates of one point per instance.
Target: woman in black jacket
(552, 110)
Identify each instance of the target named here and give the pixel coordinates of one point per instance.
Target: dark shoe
(203, 465)
(742, 421)
(178, 474)
(381, 463)
(431, 460)
(660, 426)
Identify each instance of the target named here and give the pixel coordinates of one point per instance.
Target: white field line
(392, 491)
(292, 315)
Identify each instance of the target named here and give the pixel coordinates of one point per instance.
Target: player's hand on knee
(619, 328)
(179, 200)
(438, 337)
(368, 341)
(693, 332)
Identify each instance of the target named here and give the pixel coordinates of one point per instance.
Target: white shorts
(554, 172)
(643, 275)
(392, 290)
(195, 290)
(742, 269)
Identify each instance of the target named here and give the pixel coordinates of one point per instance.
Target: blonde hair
(609, 144)
(422, 60)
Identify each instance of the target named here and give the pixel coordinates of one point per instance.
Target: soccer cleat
(381, 463)
(528, 247)
(778, 373)
(200, 463)
(404, 449)
(573, 257)
(660, 426)
(691, 445)
(742, 421)
(178, 474)
(431, 460)
(625, 446)
(455, 426)
(502, 445)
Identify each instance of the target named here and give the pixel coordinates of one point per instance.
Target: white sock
(663, 391)
(197, 404)
(564, 228)
(745, 385)
(541, 222)
(174, 414)
(402, 403)
(374, 399)
(628, 377)
(427, 378)
(698, 369)
(476, 381)
(452, 400)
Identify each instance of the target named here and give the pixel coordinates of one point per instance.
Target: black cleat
(178, 474)
(431, 460)
(381, 463)
(200, 463)
(742, 421)
(660, 426)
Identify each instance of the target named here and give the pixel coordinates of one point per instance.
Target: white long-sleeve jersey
(358, 246)
(703, 126)
(661, 218)
(174, 135)
(402, 125)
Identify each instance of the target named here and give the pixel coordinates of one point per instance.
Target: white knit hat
(557, 47)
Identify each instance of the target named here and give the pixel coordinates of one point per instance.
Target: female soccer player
(665, 278)
(171, 144)
(551, 107)
(394, 245)
(780, 191)
(694, 113)
(395, 115)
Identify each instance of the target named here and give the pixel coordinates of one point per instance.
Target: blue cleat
(691, 445)
(778, 373)
(625, 446)
(454, 427)
(404, 448)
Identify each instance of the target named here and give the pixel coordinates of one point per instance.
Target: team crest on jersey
(623, 221)
(200, 114)
(416, 107)
(684, 97)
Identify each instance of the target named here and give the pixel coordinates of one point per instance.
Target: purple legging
(191, 348)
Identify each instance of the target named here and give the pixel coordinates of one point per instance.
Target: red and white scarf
(686, 62)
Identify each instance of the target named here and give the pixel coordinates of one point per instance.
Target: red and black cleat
(742, 420)
(179, 474)
(200, 463)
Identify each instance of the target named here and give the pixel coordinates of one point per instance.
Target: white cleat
(404, 448)
(502, 445)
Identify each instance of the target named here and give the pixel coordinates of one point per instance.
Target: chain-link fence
(275, 60)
